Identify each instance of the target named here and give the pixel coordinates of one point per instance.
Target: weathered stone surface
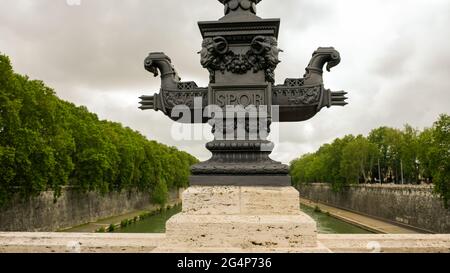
(387, 243)
(241, 231)
(48, 242)
(269, 200)
(320, 248)
(241, 219)
(233, 200)
(14, 242)
(411, 205)
(211, 200)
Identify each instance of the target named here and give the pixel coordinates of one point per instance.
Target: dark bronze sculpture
(240, 51)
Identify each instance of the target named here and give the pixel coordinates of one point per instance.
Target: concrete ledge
(146, 243)
(386, 243)
(58, 242)
(262, 232)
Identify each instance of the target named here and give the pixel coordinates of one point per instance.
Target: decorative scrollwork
(187, 85)
(255, 128)
(294, 92)
(232, 5)
(213, 55)
(262, 56)
(293, 82)
(306, 96)
(184, 97)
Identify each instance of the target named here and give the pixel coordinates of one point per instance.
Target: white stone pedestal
(241, 219)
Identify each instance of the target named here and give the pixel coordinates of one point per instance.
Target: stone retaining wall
(411, 205)
(71, 209)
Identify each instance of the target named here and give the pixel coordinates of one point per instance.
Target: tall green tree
(388, 142)
(416, 156)
(358, 158)
(409, 154)
(439, 156)
(47, 143)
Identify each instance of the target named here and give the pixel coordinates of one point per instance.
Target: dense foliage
(47, 143)
(386, 155)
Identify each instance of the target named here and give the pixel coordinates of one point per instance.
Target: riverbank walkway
(105, 223)
(365, 222)
(116, 220)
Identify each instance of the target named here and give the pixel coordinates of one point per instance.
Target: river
(325, 223)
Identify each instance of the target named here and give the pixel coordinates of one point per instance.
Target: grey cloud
(102, 43)
(395, 54)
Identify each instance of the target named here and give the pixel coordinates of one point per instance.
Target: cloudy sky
(395, 58)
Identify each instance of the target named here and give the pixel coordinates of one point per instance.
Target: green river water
(325, 223)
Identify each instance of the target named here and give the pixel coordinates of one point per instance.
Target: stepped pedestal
(241, 219)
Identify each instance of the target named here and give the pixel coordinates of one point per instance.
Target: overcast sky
(395, 58)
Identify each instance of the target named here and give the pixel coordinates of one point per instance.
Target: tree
(388, 143)
(409, 154)
(417, 155)
(323, 165)
(47, 143)
(358, 159)
(439, 155)
(425, 141)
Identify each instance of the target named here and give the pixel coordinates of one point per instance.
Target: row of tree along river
(386, 155)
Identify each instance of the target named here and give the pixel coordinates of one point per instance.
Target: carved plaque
(240, 94)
